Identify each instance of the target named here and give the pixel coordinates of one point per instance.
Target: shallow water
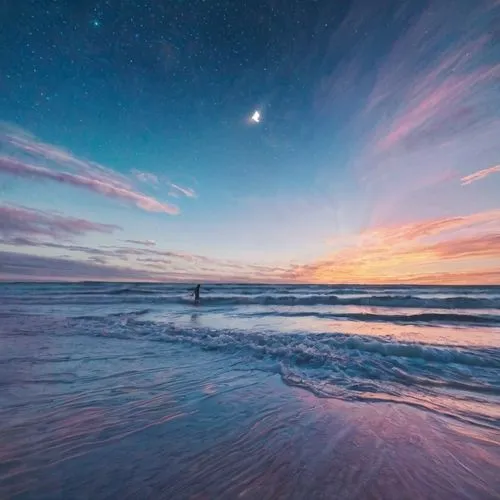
(128, 391)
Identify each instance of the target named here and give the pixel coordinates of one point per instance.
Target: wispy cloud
(177, 190)
(487, 245)
(22, 145)
(443, 102)
(427, 115)
(146, 177)
(156, 181)
(20, 169)
(98, 260)
(157, 263)
(28, 158)
(438, 81)
(149, 260)
(23, 266)
(432, 227)
(481, 174)
(146, 243)
(16, 221)
(184, 265)
(36, 243)
(14, 266)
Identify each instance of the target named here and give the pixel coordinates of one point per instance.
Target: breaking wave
(407, 301)
(350, 367)
(130, 296)
(440, 318)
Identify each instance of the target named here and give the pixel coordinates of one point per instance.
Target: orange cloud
(487, 245)
(426, 228)
(13, 167)
(408, 254)
(481, 174)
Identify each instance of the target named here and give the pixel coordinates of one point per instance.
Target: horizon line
(285, 284)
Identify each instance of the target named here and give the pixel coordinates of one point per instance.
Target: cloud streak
(23, 266)
(481, 174)
(437, 110)
(437, 82)
(18, 221)
(427, 115)
(423, 229)
(26, 157)
(17, 168)
(193, 266)
(22, 144)
(16, 266)
(487, 245)
(146, 243)
(184, 191)
(153, 180)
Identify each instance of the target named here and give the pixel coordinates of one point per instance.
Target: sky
(310, 141)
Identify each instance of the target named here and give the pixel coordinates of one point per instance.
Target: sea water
(112, 390)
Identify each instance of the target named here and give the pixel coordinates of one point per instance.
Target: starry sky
(320, 141)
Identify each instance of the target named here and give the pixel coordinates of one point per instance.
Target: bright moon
(256, 117)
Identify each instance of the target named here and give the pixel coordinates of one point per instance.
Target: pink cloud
(20, 221)
(437, 105)
(485, 245)
(17, 168)
(481, 174)
(433, 227)
(414, 54)
(437, 80)
(19, 143)
(26, 156)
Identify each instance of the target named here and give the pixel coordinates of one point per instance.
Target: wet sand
(104, 418)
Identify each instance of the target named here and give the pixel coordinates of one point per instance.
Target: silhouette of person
(196, 293)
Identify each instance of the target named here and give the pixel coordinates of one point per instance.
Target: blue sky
(136, 118)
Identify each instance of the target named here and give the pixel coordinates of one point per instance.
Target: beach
(113, 390)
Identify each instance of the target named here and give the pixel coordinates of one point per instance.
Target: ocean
(113, 390)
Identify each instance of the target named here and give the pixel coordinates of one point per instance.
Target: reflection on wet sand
(178, 423)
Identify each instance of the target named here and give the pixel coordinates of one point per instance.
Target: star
(255, 117)
(96, 23)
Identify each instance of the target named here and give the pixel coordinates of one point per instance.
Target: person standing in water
(196, 293)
